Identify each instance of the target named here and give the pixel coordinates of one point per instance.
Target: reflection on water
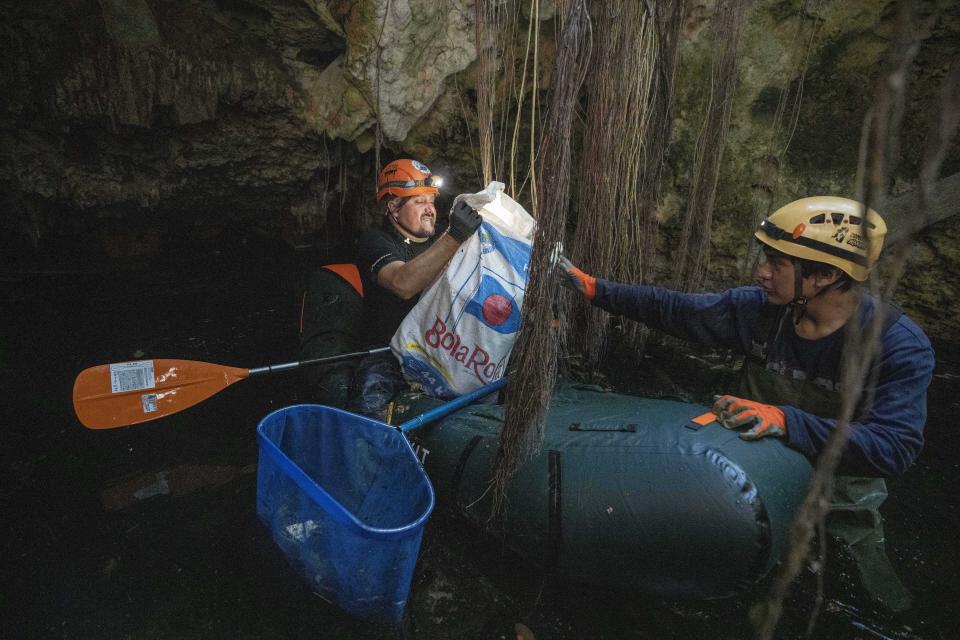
(150, 531)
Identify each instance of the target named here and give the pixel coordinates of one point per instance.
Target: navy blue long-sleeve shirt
(884, 441)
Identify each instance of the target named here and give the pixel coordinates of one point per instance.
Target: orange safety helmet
(404, 177)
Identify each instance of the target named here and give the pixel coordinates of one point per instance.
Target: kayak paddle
(126, 393)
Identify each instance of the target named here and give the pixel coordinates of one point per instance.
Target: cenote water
(150, 531)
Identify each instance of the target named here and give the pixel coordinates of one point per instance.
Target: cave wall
(845, 56)
(127, 123)
(137, 117)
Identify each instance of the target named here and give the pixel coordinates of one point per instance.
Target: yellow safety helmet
(829, 229)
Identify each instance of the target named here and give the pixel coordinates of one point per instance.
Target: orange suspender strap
(348, 272)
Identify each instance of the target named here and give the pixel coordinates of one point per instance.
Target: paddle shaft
(289, 366)
(449, 407)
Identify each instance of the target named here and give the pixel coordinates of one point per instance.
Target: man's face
(417, 216)
(776, 275)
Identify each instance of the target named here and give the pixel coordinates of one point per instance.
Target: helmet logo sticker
(856, 241)
(421, 167)
(840, 234)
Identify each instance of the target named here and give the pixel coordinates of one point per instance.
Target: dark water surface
(196, 562)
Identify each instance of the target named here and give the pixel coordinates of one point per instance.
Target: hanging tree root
(629, 119)
(533, 364)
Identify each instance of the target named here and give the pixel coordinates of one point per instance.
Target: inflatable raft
(627, 492)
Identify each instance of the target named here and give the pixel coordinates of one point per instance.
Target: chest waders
(854, 515)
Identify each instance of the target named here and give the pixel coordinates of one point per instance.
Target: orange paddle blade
(125, 393)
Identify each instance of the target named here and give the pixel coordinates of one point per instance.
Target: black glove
(464, 220)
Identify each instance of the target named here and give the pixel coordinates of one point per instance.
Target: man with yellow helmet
(397, 261)
(792, 330)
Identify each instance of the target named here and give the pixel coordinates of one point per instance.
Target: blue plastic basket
(345, 499)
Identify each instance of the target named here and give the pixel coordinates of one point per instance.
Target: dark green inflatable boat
(626, 492)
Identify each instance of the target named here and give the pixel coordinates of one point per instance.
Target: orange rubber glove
(576, 279)
(734, 413)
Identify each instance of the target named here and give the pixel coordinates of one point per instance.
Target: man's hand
(577, 280)
(464, 220)
(765, 419)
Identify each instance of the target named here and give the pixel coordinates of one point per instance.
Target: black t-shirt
(384, 311)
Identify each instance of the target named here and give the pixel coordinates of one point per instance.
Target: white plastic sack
(459, 335)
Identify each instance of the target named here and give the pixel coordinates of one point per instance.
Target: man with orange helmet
(397, 261)
(792, 330)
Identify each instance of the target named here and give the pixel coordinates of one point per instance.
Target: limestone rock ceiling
(120, 106)
(152, 117)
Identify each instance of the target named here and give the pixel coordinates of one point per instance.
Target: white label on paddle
(131, 376)
(149, 401)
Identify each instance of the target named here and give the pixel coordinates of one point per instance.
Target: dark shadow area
(150, 531)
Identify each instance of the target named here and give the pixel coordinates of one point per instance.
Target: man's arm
(407, 279)
(725, 319)
(887, 440)
(715, 319)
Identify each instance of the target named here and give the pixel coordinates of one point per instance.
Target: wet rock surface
(165, 114)
(128, 123)
(193, 560)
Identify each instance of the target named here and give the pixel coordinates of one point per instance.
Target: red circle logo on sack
(496, 309)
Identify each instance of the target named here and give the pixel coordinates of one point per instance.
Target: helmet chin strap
(798, 305)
